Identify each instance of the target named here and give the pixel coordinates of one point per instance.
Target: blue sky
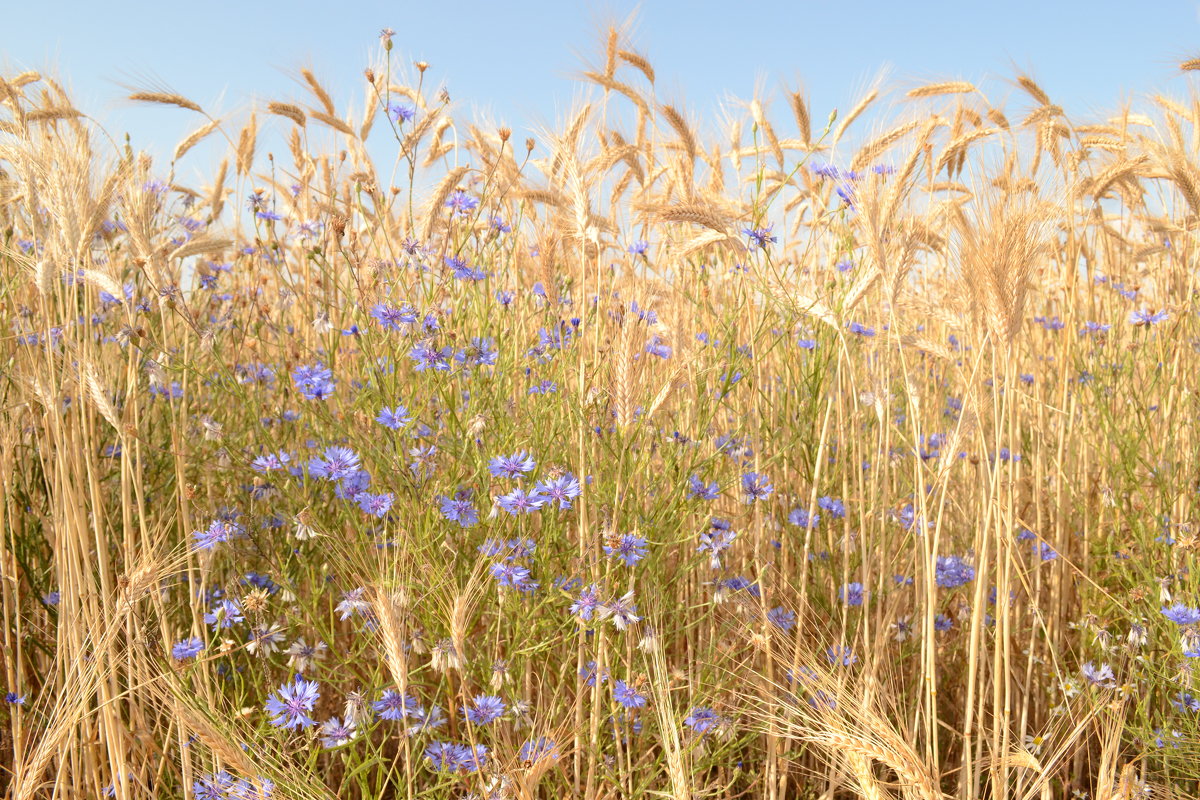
(516, 59)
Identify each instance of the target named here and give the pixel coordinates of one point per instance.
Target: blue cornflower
(513, 576)
(428, 357)
(1098, 676)
(704, 491)
(715, 542)
(334, 733)
(656, 347)
(1181, 614)
(498, 224)
(269, 462)
(315, 382)
(401, 113)
(219, 531)
(622, 611)
(587, 603)
(377, 505)
(187, 648)
(782, 618)
(802, 519)
(639, 247)
(591, 674)
(1147, 317)
(840, 655)
(537, 749)
(449, 757)
(461, 202)
(353, 602)
(511, 466)
(1094, 329)
(14, 699)
(761, 237)
(702, 719)
(628, 548)
(484, 709)
(462, 270)
(292, 704)
(421, 720)
(519, 501)
(756, 487)
(225, 614)
(627, 696)
(807, 344)
(952, 571)
(459, 508)
(392, 318)
(851, 594)
(395, 706)
(942, 623)
(338, 463)
(835, 507)
(394, 418)
(560, 490)
(1185, 701)
(481, 352)
(860, 329)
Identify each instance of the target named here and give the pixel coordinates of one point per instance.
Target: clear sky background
(515, 60)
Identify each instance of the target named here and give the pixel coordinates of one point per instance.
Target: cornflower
(293, 702)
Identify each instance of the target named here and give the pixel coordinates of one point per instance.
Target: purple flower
(484, 709)
(401, 113)
(219, 531)
(782, 618)
(461, 202)
(840, 655)
(225, 614)
(587, 603)
(519, 501)
(851, 594)
(511, 466)
(860, 329)
(377, 505)
(1098, 676)
(756, 487)
(391, 318)
(513, 576)
(293, 702)
(394, 418)
(952, 572)
(627, 696)
(459, 508)
(537, 749)
(1182, 615)
(335, 734)
(1148, 318)
(395, 706)
(835, 507)
(338, 463)
(187, 648)
(560, 490)
(628, 548)
(761, 237)
(802, 518)
(622, 612)
(699, 489)
(703, 719)
(427, 357)
(315, 382)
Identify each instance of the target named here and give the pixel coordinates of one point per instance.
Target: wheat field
(650, 457)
